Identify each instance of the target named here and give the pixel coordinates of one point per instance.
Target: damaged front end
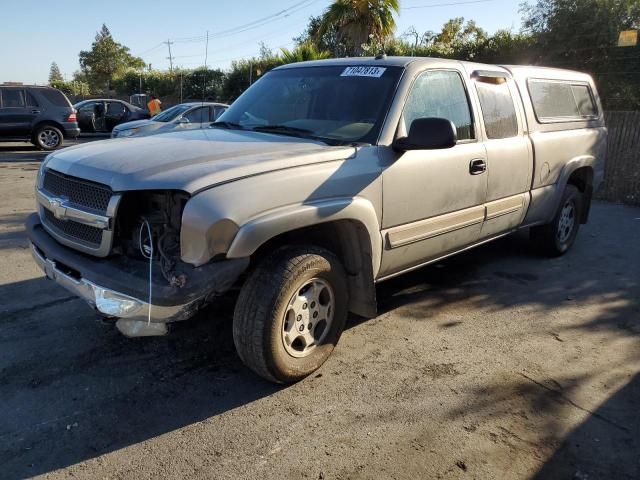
(148, 227)
(141, 279)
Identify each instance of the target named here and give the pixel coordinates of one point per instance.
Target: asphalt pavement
(497, 363)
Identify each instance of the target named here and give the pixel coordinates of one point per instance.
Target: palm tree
(302, 53)
(360, 21)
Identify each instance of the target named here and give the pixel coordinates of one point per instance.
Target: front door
(433, 200)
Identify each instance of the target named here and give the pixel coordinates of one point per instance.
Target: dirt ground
(494, 364)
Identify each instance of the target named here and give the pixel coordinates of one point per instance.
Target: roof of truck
(384, 61)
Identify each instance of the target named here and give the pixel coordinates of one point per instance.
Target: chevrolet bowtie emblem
(58, 208)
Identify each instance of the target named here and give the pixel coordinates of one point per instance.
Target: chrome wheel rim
(49, 138)
(566, 222)
(308, 317)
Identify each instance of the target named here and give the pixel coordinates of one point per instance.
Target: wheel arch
(348, 228)
(43, 123)
(579, 172)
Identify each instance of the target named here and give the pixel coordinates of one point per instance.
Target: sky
(30, 42)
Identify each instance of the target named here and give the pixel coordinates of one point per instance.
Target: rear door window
(199, 115)
(440, 93)
(557, 101)
(115, 109)
(498, 109)
(31, 100)
(13, 98)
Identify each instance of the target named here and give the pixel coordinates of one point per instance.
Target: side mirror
(183, 120)
(428, 134)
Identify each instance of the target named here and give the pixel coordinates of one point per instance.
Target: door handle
(35, 111)
(477, 166)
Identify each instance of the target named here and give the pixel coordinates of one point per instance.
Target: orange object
(154, 106)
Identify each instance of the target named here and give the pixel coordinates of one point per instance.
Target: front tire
(556, 238)
(290, 313)
(47, 137)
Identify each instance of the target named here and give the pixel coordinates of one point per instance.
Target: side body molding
(252, 234)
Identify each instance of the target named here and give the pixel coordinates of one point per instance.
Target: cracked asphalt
(494, 364)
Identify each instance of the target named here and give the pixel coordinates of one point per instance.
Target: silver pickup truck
(321, 180)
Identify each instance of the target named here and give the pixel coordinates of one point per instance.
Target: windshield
(345, 104)
(170, 114)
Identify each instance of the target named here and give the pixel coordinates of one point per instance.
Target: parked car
(323, 179)
(102, 115)
(185, 116)
(40, 115)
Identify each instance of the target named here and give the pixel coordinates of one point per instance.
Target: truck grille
(91, 236)
(82, 193)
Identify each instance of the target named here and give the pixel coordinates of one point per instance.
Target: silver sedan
(184, 116)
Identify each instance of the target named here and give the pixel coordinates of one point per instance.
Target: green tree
(302, 53)
(106, 59)
(244, 72)
(583, 35)
(328, 41)
(54, 74)
(359, 23)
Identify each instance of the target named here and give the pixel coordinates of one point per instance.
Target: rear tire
(47, 137)
(290, 313)
(558, 236)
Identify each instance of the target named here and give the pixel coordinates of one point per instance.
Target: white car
(184, 116)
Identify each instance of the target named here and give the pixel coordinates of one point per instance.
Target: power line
(170, 58)
(450, 4)
(252, 25)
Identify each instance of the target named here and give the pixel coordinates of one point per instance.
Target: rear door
(16, 116)
(509, 152)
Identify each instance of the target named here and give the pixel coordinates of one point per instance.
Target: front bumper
(119, 287)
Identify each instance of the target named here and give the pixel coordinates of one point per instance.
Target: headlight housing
(43, 165)
(126, 133)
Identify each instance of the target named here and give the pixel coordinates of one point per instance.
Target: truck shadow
(73, 389)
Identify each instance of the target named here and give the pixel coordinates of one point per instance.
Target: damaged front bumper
(116, 286)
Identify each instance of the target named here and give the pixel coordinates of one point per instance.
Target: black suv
(40, 115)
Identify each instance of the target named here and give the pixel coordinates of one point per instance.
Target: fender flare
(566, 172)
(254, 233)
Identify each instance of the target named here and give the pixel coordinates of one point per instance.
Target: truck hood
(190, 160)
(139, 124)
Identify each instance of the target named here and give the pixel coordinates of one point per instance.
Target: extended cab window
(440, 93)
(498, 110)
(557, 101)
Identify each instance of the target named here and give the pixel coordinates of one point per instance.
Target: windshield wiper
(294, 132)
(227, 125)
(281, 129)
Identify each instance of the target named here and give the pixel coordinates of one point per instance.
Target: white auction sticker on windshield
(375, 72)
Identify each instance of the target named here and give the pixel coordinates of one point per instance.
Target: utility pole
(170, 57)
